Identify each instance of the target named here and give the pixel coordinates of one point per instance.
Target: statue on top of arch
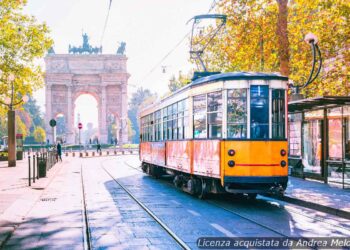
(86, 48)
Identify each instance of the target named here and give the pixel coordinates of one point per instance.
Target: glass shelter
(319, 139)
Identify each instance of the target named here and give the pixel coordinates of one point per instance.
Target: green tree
(138, 98)
(21, 128)
(22, 42)
(39, 134)
(179, 82)
(267, 35)
(33, 109)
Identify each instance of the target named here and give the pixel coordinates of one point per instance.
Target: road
(122, 208)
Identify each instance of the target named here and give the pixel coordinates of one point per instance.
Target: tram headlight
(231, 163)
(231, 152)
(283, 152)
(283, 164)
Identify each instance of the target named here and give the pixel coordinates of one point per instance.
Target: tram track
(290, 210)
(86, 228)
(176, 238)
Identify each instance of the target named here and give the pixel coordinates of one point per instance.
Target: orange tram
(224, 132)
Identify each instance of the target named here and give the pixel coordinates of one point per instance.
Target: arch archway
(102, 76)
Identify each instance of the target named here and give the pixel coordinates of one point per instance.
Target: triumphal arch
(85, 70)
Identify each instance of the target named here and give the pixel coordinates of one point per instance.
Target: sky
(150, 28)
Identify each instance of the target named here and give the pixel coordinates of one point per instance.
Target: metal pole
(33, 171)
(79, 141)
(29, 177)
(11, 128)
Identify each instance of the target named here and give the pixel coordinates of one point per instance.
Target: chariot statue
(86, 48)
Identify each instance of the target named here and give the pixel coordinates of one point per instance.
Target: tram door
(312, 147)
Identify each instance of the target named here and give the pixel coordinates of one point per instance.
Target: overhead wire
(106, 22)
(212, 6)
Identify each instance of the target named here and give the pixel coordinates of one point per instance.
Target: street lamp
(11, 121)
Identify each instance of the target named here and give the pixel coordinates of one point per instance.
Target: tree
(138, 98)
(39, 134)
(33, 109)
(21, 127)
(22, 42)
(267, 35)
(179, 82)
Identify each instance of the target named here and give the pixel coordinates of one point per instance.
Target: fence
(39, 163)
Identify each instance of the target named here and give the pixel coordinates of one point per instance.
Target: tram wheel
(144, 167)
(202, 189)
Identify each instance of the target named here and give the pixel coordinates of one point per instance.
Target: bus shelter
(319, 139)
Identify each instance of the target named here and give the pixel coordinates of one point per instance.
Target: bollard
(107, 152)
(29, 177)
(86, 153)
(100, 153)
(123, 152)
(33, 171)
(93, 153)
(80, 154)
(66, 154)
(115, 152)
(37, 167)
(73, 154)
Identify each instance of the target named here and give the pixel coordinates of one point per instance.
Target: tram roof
(239, 76)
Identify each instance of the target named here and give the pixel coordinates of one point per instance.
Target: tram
(224, 132)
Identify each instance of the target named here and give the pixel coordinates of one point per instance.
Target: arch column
(103, 116)
(70, 117)
(124, 116)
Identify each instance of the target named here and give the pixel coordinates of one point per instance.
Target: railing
(39, 163)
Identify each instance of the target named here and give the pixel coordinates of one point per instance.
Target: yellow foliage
(250, 42)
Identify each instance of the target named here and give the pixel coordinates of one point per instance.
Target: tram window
(157, 125)
(164, 123)
(237, 113)
(259, 112)
(278, 114)
(214, 118)
(199, 116)
(174, 121)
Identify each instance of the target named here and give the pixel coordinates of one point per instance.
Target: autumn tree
(138, 98)
(39, 134)
(267, 35)
(22, 42)
(178, 82)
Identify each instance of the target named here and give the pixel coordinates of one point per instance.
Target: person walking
(99, 148)
(59, 151)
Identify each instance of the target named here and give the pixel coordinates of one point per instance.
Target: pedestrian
(59, 151)
(99, 148)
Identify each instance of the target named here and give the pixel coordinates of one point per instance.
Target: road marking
(222, 230)
(193, 212)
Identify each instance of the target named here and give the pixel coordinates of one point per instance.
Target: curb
(315, 206)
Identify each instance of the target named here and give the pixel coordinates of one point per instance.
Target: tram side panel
(146, 152)
(179, 155)
(206, 158)
(153, 153)
(158, 153)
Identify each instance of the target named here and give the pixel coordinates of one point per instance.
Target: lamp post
(11, 121)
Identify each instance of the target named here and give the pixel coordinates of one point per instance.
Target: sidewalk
(318, 196)
(16, 197)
